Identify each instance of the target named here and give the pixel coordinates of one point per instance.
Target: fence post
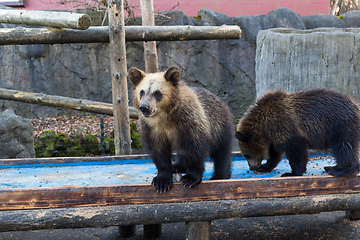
(119, 77)
(150, 53)
(120, 100)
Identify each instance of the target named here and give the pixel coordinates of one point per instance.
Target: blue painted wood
(115, 172)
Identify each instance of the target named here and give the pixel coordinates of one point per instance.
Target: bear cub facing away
(291, 123)
(192, 121)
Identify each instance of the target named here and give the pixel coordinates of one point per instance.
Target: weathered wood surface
(65, 197)
(46, 18)
(118, 65)
(139, 214)
(63, 102)
(23, 36)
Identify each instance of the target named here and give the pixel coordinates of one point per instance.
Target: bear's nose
(144, 108)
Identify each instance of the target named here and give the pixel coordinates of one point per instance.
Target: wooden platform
(96, 192)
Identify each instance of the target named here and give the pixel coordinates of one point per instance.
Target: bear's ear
(136, 75)
(243, 136)
(173, 75)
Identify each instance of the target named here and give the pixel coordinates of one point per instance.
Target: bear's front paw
(190, 181)
(162, 183)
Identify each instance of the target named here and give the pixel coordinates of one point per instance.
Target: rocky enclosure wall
(225, 67)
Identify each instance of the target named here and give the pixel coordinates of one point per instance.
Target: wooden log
(119, 78)
(63, 197)
(24, 36)
(46, 18)
(198, 230)
(63, 102)
(150, 53)
(138, 214)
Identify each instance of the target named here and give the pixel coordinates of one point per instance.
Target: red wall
(229, 7)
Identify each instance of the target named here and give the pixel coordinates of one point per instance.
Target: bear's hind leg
(297, 154)
(347, 159)
(221, 156)
(194, 164)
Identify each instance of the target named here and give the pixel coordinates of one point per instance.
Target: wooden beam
(150, 53)
(46, 18)
(63, 102)
(65, 197)
(118, 64)
(24, 36)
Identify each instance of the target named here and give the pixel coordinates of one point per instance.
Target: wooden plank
(46, 18)
(64, 197)
(118, 64)
(24, 36)
(63, 102)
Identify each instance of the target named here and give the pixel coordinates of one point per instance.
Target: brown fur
(291, 123)
(191, 121)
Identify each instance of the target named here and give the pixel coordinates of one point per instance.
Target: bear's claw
(162, 183)
(190, 181)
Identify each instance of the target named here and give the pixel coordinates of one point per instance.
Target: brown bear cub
(291, 123)
(192, 121)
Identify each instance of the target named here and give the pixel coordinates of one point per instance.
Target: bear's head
(252, 148)
(155, 94)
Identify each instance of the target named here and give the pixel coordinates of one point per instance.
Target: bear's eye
(247, 156)
(142, 92)
(158, 95)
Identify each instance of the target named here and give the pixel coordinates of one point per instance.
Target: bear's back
(214, 107)
(319, 114)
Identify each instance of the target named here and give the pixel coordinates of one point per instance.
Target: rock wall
(225, 67)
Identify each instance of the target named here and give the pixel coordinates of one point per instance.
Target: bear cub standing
(192, 121)
(291, 123)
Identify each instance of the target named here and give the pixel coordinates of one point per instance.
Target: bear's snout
(144, 108)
